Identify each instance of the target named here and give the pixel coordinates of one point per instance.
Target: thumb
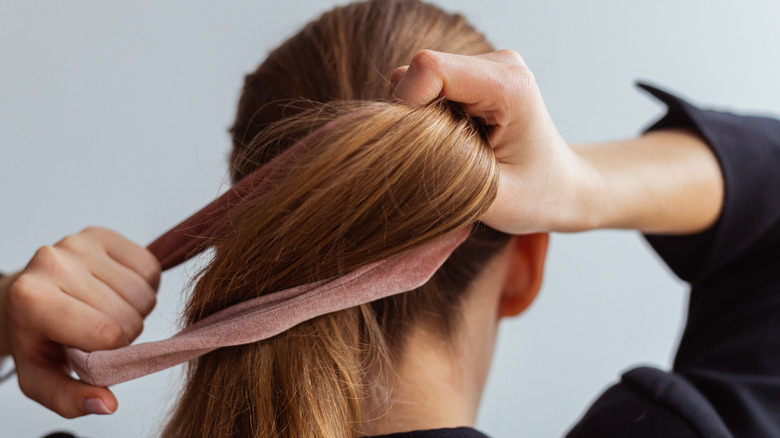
(56, 390)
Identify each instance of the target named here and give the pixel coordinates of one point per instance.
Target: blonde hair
(385, 179)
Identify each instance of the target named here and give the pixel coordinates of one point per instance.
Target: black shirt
(725, 381)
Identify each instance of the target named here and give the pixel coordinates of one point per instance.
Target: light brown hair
(385, 179)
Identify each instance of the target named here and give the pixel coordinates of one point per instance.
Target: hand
(90, 291)
(662, 182)
(541, 177)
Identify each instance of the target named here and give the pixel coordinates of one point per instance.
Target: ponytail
(385, 179)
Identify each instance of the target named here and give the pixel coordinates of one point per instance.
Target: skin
(665, 182)
(440, 382)
(93, 289)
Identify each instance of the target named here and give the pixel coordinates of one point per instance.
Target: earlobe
(524, 277)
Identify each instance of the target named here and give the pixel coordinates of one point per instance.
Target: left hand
(91, 291)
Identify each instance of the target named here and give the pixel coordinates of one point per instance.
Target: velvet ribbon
(270, 314)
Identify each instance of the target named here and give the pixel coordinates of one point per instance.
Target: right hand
(91, 291)
(541, 177)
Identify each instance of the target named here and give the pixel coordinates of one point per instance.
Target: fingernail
(96, 406)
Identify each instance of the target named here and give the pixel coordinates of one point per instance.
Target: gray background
(115, 114)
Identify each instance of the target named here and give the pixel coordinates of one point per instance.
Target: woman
(418, 361)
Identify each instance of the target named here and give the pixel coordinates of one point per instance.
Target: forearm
(662, 182)
(5, 285)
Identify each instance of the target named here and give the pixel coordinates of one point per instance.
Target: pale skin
(663, 182)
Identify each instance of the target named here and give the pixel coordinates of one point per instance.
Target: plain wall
(115, 114)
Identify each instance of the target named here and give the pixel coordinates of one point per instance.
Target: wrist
(5, 286)
(581, 206)
(661, 182)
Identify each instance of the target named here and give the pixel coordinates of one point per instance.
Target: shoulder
(650, 403)
(455, 432)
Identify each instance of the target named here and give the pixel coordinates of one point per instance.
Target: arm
(726, 379)
(713, 209)
(5, 285)
(664, 182)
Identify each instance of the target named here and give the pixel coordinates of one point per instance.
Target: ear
(524, 276)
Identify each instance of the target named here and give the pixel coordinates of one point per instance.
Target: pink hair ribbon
(268, 315)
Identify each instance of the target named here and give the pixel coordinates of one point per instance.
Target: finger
(485, 87)
(397, 74)
(54, 389)
(129, 254)
(39, 309)
(504, 56)
(459, 78)
(125, 283)
(69, 273)
(89, 249)
(56, 271)
(423, 80)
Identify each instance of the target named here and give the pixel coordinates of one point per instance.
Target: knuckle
(521, 77)
(67, 414)
(96, 237)
(61, 405)
(500, 85)
(512, 56)
(109, 334)
(23, 294)
(28, 389)
(71, 242)
(93, 230)
(47, 258)
(84, 238)
(426, 59)
(24, 384)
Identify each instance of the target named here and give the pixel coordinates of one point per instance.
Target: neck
(436, 385)
(439, 380)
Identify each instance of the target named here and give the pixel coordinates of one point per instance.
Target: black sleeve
(730, 349)
(726, 377)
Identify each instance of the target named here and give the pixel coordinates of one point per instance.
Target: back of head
(380, 179)
(346, 54)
